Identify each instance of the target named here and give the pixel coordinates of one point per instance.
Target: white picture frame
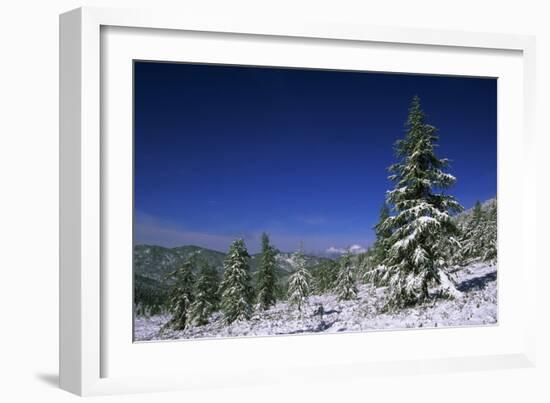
(86, 326)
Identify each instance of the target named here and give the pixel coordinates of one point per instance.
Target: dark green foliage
(157, 262)
(366, 263)
(324, 276)
(382, 234)
(206, 294)
(181, 296)
(150, 296)
(490, 238)
(422, 229)
(154, 263)
(471, 235)
(346, 284)
(267, 280)
(379, 250)
(237, 293)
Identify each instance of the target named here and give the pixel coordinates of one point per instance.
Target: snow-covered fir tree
(472, 236)
(236, 291)
(379, 250)
(479, 234)
(489, 224)
(181, 297)
(206, 294)
(382, 234)
(422, 228)
(346, 284)
(299, 282)
(267, 280)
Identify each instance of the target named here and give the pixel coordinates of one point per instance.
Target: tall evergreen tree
(236, 297)
(346, 284)
(382, 232)
(206, 294)
(299, 282)
(379, 249)
(422, 229)
(181, 296)
(267, 281)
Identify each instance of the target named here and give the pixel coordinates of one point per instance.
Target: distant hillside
(153, 263)
(156, 262)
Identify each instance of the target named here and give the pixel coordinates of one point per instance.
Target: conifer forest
(433, 263)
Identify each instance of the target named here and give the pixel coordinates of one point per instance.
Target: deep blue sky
(225, 151)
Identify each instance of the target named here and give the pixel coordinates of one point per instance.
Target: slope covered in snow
(477, 305)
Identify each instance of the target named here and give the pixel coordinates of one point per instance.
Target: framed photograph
(255, 207)
(237, 198)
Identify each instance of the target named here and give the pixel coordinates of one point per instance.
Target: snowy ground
(476, 306)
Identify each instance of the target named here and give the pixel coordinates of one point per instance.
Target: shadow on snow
(477, 283)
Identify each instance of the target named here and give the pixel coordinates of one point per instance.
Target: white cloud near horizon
(355, 249)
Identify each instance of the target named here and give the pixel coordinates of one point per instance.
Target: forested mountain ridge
(153, 264)
(156, 262)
